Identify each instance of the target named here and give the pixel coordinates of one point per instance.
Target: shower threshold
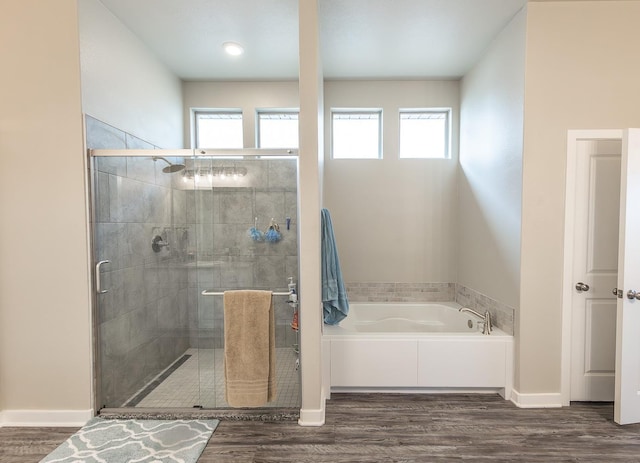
(227, 414)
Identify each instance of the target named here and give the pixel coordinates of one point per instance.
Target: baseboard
(419, 390)
(543, 400)
(311, 417)
(45, 418)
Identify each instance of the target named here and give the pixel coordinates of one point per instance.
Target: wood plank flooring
(401, 428)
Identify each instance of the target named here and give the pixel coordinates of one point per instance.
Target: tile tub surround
(502, 315)
(400, 292)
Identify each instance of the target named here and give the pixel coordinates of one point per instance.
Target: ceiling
(376, 39)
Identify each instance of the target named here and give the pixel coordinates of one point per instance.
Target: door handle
(582, 287)
(631, 294)
(99, 289)
(617, 292)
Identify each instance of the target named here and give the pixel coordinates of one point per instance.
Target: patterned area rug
(135, 441)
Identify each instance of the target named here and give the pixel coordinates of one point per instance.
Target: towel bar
(206, 292)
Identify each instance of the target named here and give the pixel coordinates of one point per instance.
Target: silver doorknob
(631, 294)
(582, 287)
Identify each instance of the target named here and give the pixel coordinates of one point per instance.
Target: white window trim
(448, 130)
(273, 111)
(377, 111)
(194, 119)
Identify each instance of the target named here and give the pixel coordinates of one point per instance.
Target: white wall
(312, 411)
(123, 84)
(394, 220)
(247, 96)
(45, 349)
(490, 181)
(581, 73)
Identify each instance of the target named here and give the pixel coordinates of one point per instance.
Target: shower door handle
(99, 289)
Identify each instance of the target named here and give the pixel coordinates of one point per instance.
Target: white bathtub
(430, 347)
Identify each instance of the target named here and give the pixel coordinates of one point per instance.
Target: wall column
(309, 190)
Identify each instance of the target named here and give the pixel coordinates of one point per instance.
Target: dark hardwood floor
(401, 428)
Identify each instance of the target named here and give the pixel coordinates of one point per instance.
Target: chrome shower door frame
(100, 264)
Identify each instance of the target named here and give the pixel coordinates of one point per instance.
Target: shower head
(171, 168)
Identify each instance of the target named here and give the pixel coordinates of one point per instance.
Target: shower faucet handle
(157, 243)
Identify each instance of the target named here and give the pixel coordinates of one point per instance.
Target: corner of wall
(147, 100)
(312, 417)
(490, 167)
(536, 400)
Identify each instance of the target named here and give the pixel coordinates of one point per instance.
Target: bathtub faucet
(486, 319)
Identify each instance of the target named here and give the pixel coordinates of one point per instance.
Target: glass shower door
(246, 238)
(165, 229)
(142, 295)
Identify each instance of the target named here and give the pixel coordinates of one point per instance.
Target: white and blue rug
(135, 441)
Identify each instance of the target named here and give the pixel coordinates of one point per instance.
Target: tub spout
(486, 319)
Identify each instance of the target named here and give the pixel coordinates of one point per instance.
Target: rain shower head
(171, 168)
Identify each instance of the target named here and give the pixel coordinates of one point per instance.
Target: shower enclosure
(169, 226)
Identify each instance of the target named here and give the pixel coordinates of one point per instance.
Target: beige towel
(249, 348)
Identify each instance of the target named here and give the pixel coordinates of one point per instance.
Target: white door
(627, 383)
(595, 268)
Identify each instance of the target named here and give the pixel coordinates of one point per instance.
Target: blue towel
(335, 305)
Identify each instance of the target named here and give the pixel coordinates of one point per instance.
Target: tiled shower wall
(143, 318)
(400, 292)
(228, 258)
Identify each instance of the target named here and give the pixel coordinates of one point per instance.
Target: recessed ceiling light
(233, 48)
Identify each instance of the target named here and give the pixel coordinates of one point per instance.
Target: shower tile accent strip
(149, 388)
(400, 292)
(502, 315)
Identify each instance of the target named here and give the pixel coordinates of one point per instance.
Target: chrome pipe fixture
(207, 292)
(237, 153)
(486, 319)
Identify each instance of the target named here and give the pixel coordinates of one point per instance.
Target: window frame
(214, 111)
(447, 130)
(356, 111)
(274, 111)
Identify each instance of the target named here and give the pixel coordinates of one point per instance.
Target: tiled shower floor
(200, 381)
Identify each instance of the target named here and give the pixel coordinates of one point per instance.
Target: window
(424, 133)
(356, 134)
(277, 129)
(218, 129)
